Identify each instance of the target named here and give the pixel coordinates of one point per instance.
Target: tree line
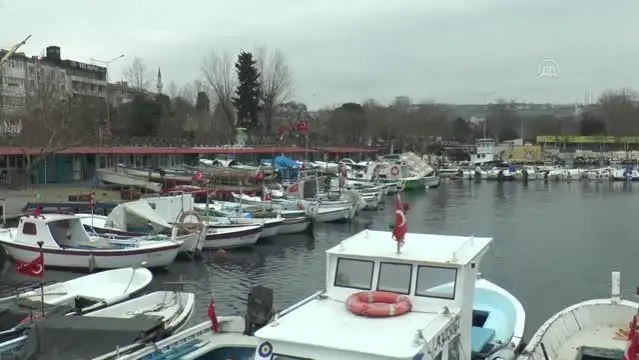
(250, 90)
(243, 91)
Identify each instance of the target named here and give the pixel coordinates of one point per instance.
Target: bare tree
(51, 120)
(138, 75)
(275, 82)
(219, 74)
(172, 90)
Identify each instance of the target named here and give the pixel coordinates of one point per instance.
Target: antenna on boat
(472, 240)
(616, 285)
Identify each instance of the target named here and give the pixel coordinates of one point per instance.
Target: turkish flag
(215, 325)
(632, 346)
(293, 188)
(399, 231)
(34, 268)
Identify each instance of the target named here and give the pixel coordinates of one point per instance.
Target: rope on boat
(162, 306)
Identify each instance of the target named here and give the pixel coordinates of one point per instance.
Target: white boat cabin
(486, 152)
(55, 230)
(438, 327)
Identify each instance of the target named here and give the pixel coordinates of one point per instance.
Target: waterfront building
(22, 75)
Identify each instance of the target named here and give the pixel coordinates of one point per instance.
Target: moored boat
(295, 225)
(429, 302)
(231, 237)
(171, 309)
(431, 181)
(66, 244)
(124, 180)
(592, 329)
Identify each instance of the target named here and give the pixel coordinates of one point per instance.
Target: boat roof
(431, 248)
(327, 323)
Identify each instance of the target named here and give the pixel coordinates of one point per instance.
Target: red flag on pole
(91, 200)
(215, 325)
(633, 345)
(38, 211)
(302, 127)
(34, 268)
(399, 231)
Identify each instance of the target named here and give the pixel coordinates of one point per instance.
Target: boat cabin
(55, 230)
(486, 152)
(436, 272)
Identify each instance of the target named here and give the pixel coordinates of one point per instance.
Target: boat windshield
(355, 274)
(436, 282)
(394, 277)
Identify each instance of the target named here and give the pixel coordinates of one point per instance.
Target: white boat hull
(431, 181)
(96, 259)
(110, 285)
(330, 214)
(295, 225)
(228, 238)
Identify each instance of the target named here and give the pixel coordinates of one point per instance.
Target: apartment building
(23, 75)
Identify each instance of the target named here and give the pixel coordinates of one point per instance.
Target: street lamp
(106, 88)
(485, 96)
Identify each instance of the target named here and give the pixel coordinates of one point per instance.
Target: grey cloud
(349, 51)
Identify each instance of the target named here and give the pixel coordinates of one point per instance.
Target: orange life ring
(378, 304)
(395, 170)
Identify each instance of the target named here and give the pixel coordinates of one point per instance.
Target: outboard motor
(259, 309)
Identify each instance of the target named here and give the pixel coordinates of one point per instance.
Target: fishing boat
(172, 309)
(129, 221)
(428, 301)
(270, 226)
(105, 287)
(431, 181)
(167, 177)
(66, 244)
(231, 237)
(124, 180)
(322, 214)
(295, 225)
(592, 329)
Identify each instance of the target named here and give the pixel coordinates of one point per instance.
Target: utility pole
(106, 88)
(485, 96)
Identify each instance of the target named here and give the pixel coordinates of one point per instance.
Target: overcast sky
(442, 50)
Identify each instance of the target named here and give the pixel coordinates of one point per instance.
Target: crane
(6, 57)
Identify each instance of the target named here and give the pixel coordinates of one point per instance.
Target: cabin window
(355, 274)
(436, 282)
(29, 229)
(395, 277)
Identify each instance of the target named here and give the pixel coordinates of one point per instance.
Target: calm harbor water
(555, 244)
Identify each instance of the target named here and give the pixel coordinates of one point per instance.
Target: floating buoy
(221, 254)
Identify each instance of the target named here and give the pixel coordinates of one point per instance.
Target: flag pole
(40, 244)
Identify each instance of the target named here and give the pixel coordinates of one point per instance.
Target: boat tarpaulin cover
(139, 209)
(84, 337)
(12, 312)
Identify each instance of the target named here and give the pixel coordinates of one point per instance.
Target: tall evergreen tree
(247, 93)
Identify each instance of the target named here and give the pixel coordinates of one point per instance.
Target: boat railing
(293, 307)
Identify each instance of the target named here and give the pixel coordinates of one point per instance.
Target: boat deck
(596, 336)
(334, 327)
